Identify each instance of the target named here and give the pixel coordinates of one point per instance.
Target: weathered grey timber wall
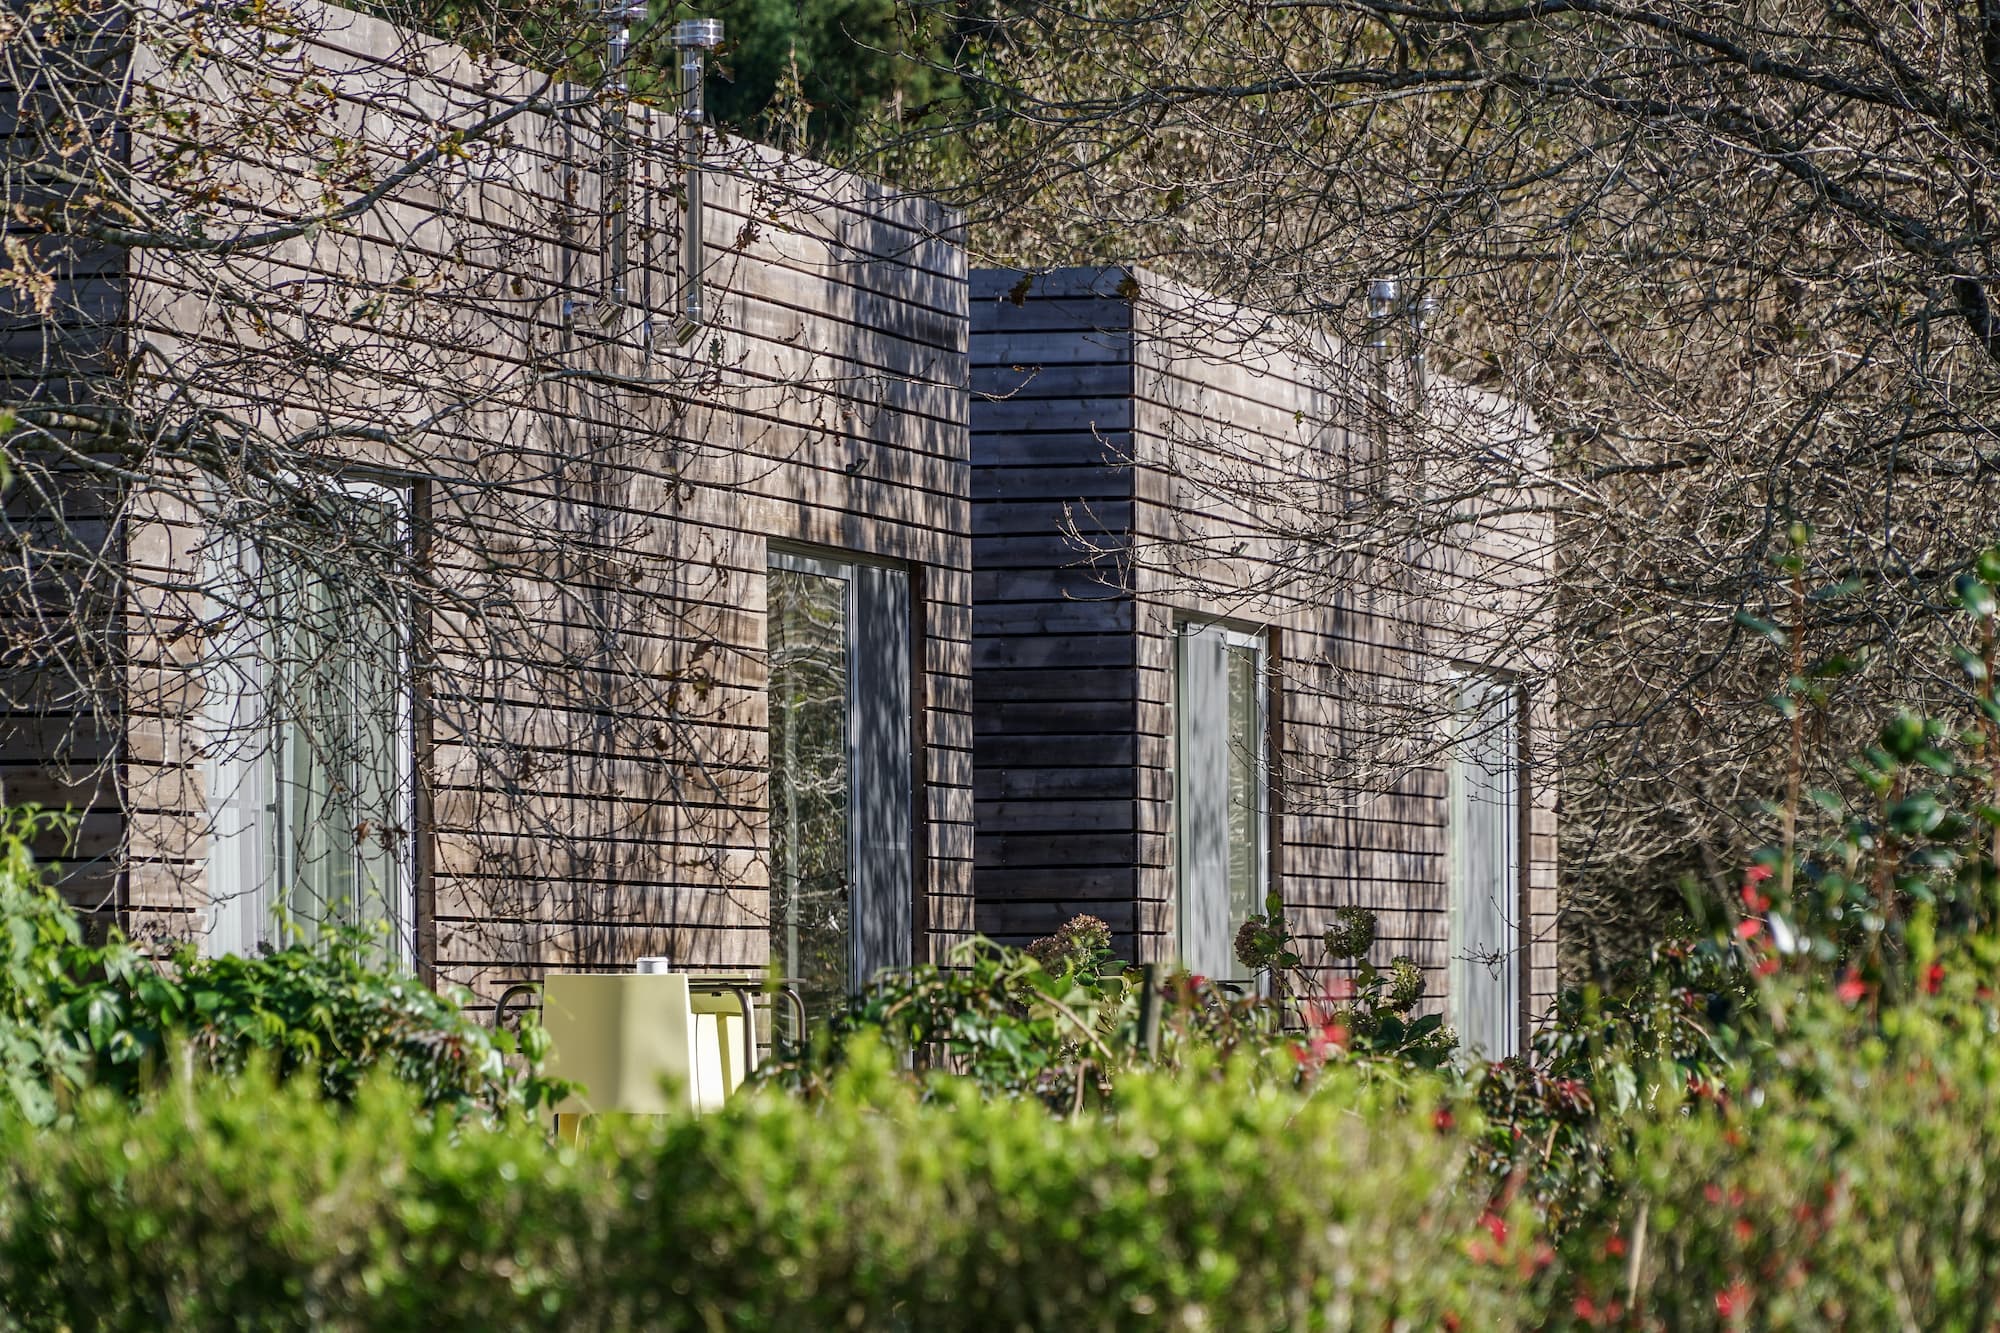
(614, 501)
(1143, 454)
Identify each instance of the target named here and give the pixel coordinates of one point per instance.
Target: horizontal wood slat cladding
(64, 747)
(1131, 444)
(595, 693)
(1055, 679)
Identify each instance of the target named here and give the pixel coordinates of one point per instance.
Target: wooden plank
(1068, 651)
(1051, 449)
(998, 285)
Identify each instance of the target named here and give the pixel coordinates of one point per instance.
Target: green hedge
(1854, 1183)
(1205, 1203)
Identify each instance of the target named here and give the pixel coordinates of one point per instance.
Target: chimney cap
(698, 33)
(1384, 296)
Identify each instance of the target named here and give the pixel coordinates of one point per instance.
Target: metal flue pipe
(1385, 299)
(619, 16)
(1387, 304)
(694, 38)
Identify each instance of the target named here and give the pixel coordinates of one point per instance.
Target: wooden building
(1206, 665)
(412, 526)
(439, 569)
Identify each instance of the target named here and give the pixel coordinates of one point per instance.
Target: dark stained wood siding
(1234, 444)
(56, 348)
(1055, 696)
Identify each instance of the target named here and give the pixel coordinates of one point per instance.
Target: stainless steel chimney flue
(694, 38)
(1385, 298)
(619, 16)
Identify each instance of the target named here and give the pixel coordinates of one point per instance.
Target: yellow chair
(645, 1043)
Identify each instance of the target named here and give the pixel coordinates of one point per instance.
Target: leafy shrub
(74, 1015)
(1857, 1185)
(45, 957)
(1062, 1019)
(994, 1015)
(1369, 1014)
(1219, 1201)
(1689, 1025)
(246, 1204)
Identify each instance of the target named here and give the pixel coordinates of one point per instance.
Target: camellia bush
(1851, 1180)
(1063, 1019)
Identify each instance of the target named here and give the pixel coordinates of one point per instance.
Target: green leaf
(1916, 814)
(1902, 736)
(1936, 761)
(1975, 595)
(1833, 592)
(101, 1015)
(1759, 625)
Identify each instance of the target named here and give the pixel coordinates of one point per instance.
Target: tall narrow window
(840, 738)
(1219, 776)
(309, 721)
(1485, 815)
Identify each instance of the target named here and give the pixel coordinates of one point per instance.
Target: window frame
(1503, 685)
(843, 565)
(243, 855)
(1231, 636)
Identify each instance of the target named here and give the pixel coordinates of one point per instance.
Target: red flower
(1495, 1224)
(1757, 874)
(1744, 1231)
(1748, 928)
(1450, 1322)
(1851, 988)
(1733, 1300)
(1754, 900)
(1442, 1121)
(1933, 978)
(1767, 965)
(1614, 1246)
(1586, 1309)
